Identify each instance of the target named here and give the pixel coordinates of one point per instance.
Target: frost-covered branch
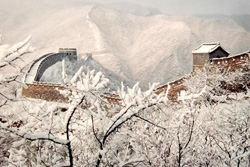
(93, 128)
(71, 112)
(133, 101)
(34, 137)
(64, 75)
(90, 81)
(8, 54)
(144, 129)
(150, 122)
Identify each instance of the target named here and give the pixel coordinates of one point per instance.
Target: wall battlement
(51, 92)
(40, 65)
(68, 51)
(232, 62)
(44, 91)
(229, 63)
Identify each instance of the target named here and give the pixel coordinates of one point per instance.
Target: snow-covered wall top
(40, 65)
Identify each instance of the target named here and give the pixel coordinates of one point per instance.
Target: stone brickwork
(232, 62)
(48, 92)
(228, 63)
(51, 92)
(175, 88)
(40, 65)
(48, 62)
(70, 52)
(200, 59)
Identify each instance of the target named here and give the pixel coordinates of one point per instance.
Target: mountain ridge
(151, 48)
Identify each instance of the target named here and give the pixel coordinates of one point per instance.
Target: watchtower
(70, 52)
(206, 52)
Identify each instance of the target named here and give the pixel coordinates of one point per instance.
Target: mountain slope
(136, 45)
(54, 73)
(158, 48)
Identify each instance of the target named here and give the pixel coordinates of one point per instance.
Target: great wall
(229, 63)
(51, 92)
(40, 65)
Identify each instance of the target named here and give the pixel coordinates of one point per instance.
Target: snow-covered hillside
(54, 73)
(243, 20)
(137, 45)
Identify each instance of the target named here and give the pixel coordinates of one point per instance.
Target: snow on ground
(96, 32)
(138, 45)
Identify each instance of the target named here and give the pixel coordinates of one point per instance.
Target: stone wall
(48, 62)
(175, 88)
(200, 59)
(203, 58)
(50, 92)
(69, 51)
(233, 61)
(228, 63)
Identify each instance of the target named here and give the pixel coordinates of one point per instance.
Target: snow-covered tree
(8, 57)
(10, 73)
(208, 126)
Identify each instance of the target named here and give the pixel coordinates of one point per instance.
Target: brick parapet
(48, 92)
(51, 92)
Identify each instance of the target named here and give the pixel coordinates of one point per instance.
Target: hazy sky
(194, 6)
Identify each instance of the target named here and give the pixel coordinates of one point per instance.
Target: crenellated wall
(229, 63)
(48, 62)
(51, 92)
(43, 91)
(40, 65)
(175, 88)
(232, 62)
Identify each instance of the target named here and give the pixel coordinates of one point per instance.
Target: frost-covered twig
(64, 74)
(9, 54)
(93, 128)
(71, 111)
(150, 122)
(34, 137)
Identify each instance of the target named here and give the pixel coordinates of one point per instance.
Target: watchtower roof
(67, 49)
(208, 48)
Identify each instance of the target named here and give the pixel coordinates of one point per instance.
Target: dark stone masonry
(51, 92)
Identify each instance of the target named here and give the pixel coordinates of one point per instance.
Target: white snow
(96, 32)
(156, 48)
(207, 48)
(64, 75)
